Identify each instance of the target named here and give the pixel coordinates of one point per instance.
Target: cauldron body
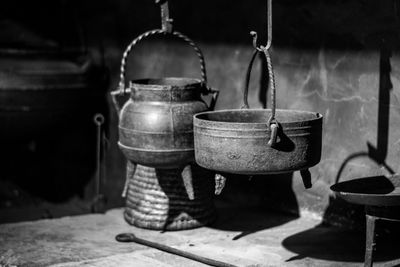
(236, 141)
(156, 123)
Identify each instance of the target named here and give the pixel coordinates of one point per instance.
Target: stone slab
(241, 236)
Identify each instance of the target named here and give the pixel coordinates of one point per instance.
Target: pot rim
(350, 191)
(223, 124)
(185, 83)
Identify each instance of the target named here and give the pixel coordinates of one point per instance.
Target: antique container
(156, 123)
(236, 141)
(258, 141)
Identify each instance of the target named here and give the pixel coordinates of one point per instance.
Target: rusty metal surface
(236, 141)
(156, 123)
(371, 191)
(129, 237)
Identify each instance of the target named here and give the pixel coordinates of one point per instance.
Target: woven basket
(157, 199)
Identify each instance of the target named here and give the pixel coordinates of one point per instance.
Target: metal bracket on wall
(99, 201)
(166, 21)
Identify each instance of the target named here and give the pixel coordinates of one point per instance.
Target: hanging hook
(269, 24)
(272, 122)
(255, 36)
(262, 48)
(166, 21)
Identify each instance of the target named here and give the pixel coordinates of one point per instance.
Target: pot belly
(163, 159)
(251, 155)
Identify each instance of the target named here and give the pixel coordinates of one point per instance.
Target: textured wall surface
(338, 58)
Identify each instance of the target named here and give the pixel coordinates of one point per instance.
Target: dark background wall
(338, 58)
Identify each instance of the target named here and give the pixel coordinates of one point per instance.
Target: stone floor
(242, 237)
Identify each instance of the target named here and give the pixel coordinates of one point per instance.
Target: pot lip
(197, 118)
(155, 83)
(344, 190)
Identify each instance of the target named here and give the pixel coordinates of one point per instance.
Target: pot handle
(272, 122)
(214, 98)
(121, 90)
(247, 80)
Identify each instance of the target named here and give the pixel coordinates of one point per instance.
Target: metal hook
(269, 24)
(98, 119)
(272, 122)
(274, 134)
(269, 30)
(255, 36)
(166, 21)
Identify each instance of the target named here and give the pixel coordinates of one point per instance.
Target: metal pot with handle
(258, 141)
(156, 123)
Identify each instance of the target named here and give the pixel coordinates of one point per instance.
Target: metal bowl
(370, 191)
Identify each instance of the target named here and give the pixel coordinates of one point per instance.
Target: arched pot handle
(121, 90)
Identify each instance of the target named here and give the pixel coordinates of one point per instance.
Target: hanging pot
(257, 141)
(156, 123)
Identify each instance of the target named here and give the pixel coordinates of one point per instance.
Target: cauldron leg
(220, 181)
(306, 176)
(370, 240)
(130, 171)
(188, 181)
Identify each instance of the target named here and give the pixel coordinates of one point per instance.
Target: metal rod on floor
(129, 237)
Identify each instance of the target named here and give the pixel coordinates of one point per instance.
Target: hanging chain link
(272, 118)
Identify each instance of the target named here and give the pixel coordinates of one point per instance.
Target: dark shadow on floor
(249, 220)
(239, 205)
(335, 244)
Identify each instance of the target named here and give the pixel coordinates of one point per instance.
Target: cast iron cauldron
(256, 141)
(236, 141)
(156, 123)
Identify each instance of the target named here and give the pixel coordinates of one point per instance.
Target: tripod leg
(370, 240)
